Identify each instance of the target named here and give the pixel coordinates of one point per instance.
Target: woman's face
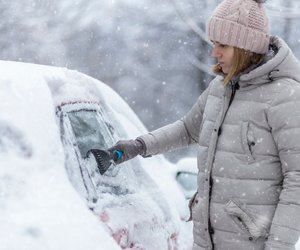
(224, 55)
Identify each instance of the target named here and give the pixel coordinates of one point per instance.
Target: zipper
(234, 87)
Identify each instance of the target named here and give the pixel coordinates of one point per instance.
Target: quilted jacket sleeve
(178, 134)
(284, 119)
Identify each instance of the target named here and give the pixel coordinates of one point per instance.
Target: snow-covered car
(49, 118)
(186, 175)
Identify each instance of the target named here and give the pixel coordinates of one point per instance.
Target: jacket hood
(280, 62)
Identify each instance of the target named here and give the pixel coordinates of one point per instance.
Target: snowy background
(153, 47)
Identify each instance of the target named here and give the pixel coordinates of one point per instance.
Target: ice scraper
(104, 158)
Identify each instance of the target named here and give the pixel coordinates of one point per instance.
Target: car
(186, 175)
(50, 118)
(39, 207)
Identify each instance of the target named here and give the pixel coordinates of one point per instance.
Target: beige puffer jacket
(249, 157)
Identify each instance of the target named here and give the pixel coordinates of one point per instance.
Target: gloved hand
(130, 149)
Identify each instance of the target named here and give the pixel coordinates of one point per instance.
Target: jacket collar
(278, 63)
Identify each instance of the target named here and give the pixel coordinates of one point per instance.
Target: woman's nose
(215, 53)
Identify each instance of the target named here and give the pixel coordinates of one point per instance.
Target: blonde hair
(242, 59)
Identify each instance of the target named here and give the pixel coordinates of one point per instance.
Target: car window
(84, 126)
(187, 180)
(90, 130)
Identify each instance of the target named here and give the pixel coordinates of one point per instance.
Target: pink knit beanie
(240, 23)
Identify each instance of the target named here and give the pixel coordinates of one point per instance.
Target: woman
(247, 126)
